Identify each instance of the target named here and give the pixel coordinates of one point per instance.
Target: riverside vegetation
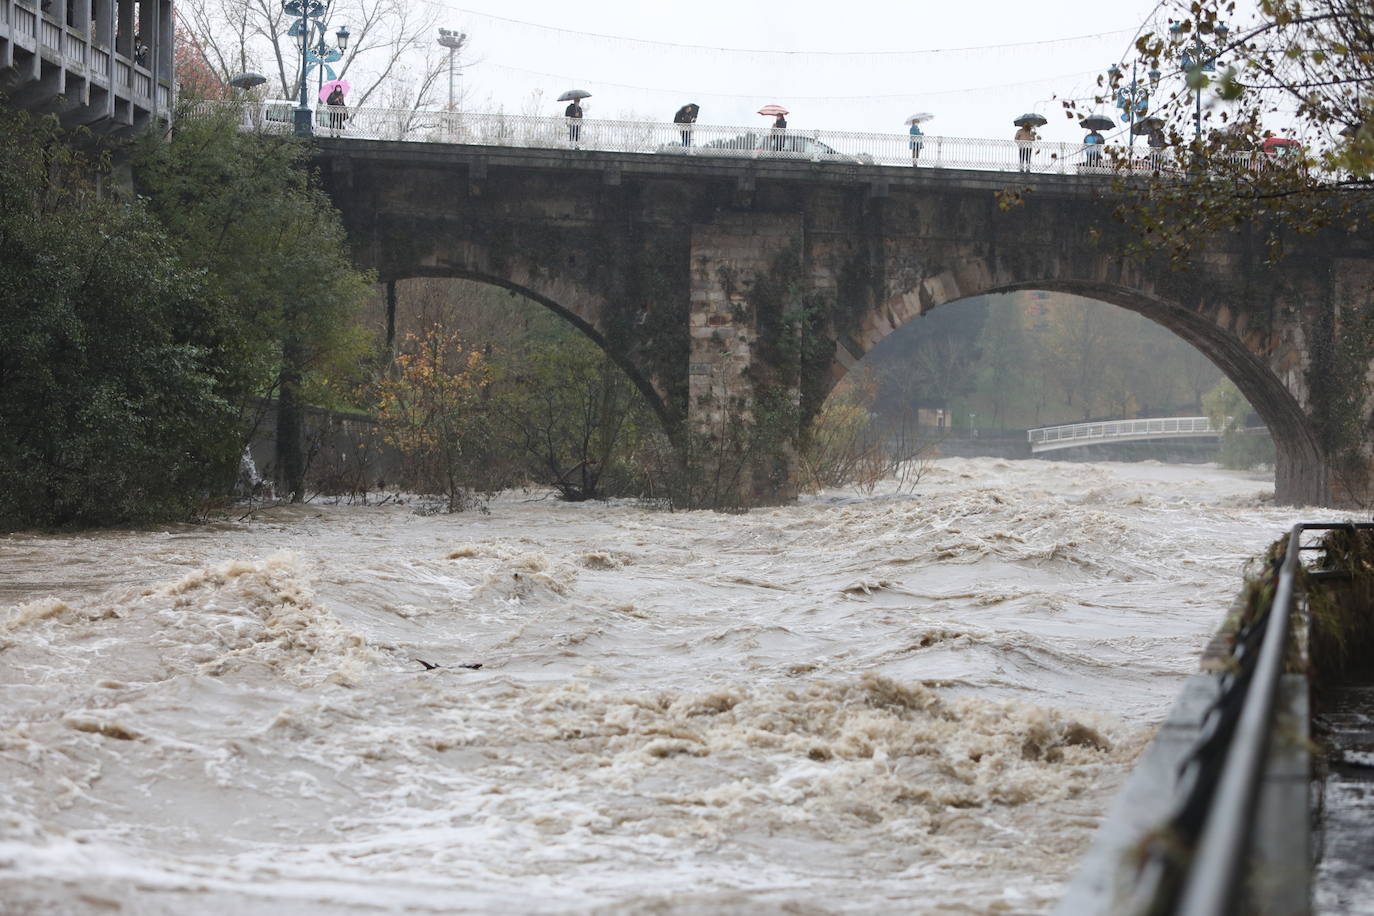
(148, 318)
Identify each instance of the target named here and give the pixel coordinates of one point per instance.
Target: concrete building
(105, 64)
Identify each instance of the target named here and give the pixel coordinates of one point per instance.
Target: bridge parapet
(714, 140)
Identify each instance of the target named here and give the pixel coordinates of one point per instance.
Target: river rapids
(897, 702)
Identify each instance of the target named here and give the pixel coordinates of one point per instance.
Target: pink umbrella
(772, 110)
(328, 87)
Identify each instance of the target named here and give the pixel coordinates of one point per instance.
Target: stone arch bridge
(724, 286)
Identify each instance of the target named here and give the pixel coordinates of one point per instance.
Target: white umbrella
(920, 117)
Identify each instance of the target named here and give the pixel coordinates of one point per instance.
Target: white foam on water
(855, 704)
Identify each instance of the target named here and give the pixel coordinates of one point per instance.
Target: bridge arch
(1266, 383)
(578, 315)
(692, 272)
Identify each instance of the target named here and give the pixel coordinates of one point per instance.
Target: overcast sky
(974, 65)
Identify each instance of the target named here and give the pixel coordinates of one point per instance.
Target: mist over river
(859, 704)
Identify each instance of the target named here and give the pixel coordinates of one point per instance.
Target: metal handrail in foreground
(1228, 802)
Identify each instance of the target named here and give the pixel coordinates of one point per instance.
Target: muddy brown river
(915, 703)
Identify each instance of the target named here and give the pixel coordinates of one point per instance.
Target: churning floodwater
(916, 703)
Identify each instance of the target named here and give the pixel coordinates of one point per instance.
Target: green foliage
(115, 406)
(571, 418)
(1296, 70)
(244, 209)
(140, 332)
(1241, 449)
(1342, 629)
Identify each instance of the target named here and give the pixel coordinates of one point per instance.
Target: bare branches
(391, 41)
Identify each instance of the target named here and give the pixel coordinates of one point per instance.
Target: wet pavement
(1344, 880)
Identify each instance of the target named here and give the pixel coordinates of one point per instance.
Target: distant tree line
(1033, 359)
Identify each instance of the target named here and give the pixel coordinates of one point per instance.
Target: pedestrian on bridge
(686, 116)
(1092, 145)
(916, 144)
(574, 115)
(336, 108)
(779, 132)
(1025, 136)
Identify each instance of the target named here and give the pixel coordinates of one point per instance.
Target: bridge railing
(703, 140)
(1122, 429)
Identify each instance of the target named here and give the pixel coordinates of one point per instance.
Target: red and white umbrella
(772, 110)
(329, 87)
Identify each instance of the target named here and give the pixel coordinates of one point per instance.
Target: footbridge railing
(706, 140)
(1070, 435)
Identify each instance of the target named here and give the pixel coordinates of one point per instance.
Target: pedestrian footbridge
(1073, 435)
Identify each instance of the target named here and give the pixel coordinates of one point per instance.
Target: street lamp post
(453, 41)
(1197, 58)
(310, 19)
(1134, 97)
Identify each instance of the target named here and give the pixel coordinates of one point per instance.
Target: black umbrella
(574, 94)
(1031, 119)
(1147, 126)
(247, 80)
(1097, 122)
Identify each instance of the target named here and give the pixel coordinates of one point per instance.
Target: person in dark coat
(779, 126)
(686, 116)
(336, 109)
(574, 114)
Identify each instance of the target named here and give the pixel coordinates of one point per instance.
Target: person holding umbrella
(1094, 141)
(573, 112)
(335, 101)
(686, 116)
(1026, 135)
(779, 114)
(332, 95)
(574, 115)
(915, 121)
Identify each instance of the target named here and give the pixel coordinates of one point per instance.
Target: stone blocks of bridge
(731, 366)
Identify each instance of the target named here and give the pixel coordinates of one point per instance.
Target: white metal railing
(1051, 437)
(710, 140)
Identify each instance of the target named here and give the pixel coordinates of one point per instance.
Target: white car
(767, 145)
